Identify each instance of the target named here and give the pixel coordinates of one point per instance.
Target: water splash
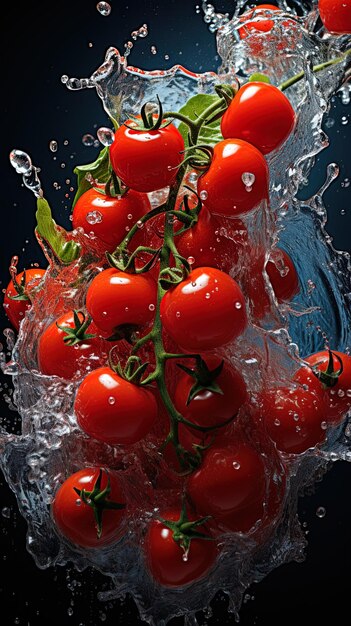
(22, 163)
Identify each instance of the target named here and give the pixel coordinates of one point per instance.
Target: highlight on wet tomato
(89, 507)
(230, 485)
(176, 552)
(120, 303)
(210, 394)
(146, 160)
(205, 311)
(237, 179)
(260, 114)
(17, 295)
(336, 15)
(68, 348)
(260, 25)
(114, 410)
(294, 418)
(109, 218)
(329, 371)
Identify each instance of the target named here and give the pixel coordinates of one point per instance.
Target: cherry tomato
(109, 218)
(237, 179)
(282, 275)
(337, 396)
(74, 518)
(262, 25)
(113, 410)
(57, 358)
(208, 407)
(230, 485)
(167, 561)
(294, 418)
(206, 244)
(260, 114)
(205, 311)
(117, 299)
(147, 160)
(26, 282)
(336, 15)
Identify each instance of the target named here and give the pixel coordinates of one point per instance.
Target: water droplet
(185, 556)
(192, 178)
(70, 611)
(167, 57)
(88, 140)
(191, 260)
(104, 8)
(236, 465)
(78, 502)
(21, 161)
(203, 195)
(344, 120)
(111, 400)
(329, 122)
(94, 217)
(324, 425)
(140, 224)
(248, 179)
(207, 296)
(178, 314)
(106, 136)
(53, 145)
(238, 305)
(64, 79)
(320, 512)
(276, 422)
(6, 512)
(153, 50)
(151, 307)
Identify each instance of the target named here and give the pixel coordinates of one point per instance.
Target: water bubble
(88, 140)
(78, 502)
(153, 50)
(238, 305)
(276, 422)
(167, 57)
(324, 425)
(248, 179)
(344, 120)
(192, 178)
(236, 465)
(111, 400)
(94, 217)
(203, 195)
(53, 145)
(151, 307)
(104, 8)
(191, 260)
(140, 224)
(185, 556)
(320, 512)
(21, 161)
(70, 610)
(64, 79)
(178, 314)
(6, 512)
(106, 136)
(345, 183)
(329, 122)
(207, 296)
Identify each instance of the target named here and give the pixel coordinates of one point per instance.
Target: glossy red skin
(284, 286)
(209, 408)
(279, 409)
(115, 222)
(56, 358)
(147, 160)
(234, 497)
(260, 114)
(336, 405)
(263, 26)
(77, 523)
(123, 422)
(226, 192)
(208, 247)
(336, 15)
(124, 298)
(197, 323)
(164, 556)
(16, 309)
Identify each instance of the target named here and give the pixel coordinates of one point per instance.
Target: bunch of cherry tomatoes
(173, 297)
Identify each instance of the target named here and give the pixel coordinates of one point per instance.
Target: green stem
(316, 68)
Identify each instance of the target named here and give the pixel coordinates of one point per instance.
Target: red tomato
(16, 309)
(262, 25)
(57, 358)
(109, 218)
(338, 396)
(168, 562)
(113, 410)
(209, 408)
(147, 160)
(237, 179)
(230, 485)
(205, 311)
(336, 15)
(206, 244)
(294, 418)
(117, 299)
(282, 275)
(75, 519)
(260, 114)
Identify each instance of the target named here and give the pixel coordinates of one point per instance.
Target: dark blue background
(40, 42)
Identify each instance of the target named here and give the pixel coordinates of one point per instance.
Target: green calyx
(330, 376)
(98, 500)
(205, 379)
(20, 287)
(133, 371)
(77, 334)
(184, 531)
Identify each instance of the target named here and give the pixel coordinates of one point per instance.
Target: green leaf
(260, 78)
(67, 251)
(209, 134)
(99, 170)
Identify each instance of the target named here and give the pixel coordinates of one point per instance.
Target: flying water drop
(22, 163)
(106, 136)
(104, 8)
(248, 179)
